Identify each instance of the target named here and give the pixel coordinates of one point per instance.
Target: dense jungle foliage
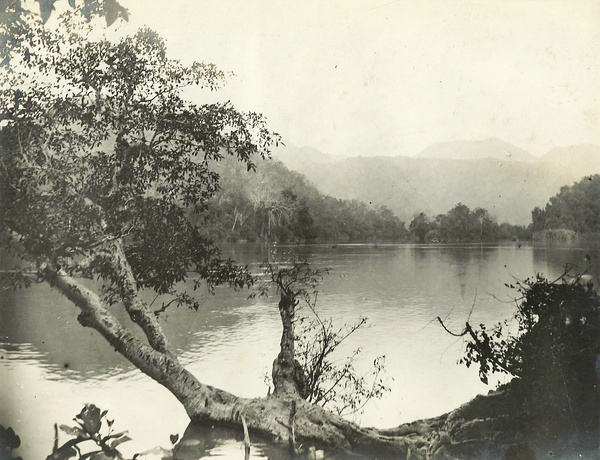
(462, 225)
(575, 208)
(276, 204)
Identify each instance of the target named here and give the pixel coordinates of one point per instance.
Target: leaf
(63, 453)
(89, 7)
(71, 430)
(113, 10)
(116, 442)
(8, 438)
(113, 436)
(174, 438)
(6, 5)
(90, 417)
(72, 3)
(96, 455)
(125, 14)
(46, 9)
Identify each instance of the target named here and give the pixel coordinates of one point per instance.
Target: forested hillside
(281, 205)
(575, 208)
(276, 204)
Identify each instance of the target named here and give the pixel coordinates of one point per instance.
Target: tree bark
(162, 367)
(288, 376)
(138, 311)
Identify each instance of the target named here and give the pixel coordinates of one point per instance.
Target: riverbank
(499, 426)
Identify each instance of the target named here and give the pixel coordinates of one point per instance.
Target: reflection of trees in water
(468, 264)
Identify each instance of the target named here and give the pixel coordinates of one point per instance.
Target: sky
(381, 77)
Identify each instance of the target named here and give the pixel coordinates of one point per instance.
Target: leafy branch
(92, 427)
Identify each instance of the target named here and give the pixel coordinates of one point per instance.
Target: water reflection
(202, 441)
(47, 321)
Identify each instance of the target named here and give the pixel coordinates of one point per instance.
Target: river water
(50, 366)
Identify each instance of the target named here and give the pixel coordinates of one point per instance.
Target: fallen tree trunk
(313, 426)
(495, 426)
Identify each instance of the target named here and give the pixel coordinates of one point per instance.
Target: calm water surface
(50, 366)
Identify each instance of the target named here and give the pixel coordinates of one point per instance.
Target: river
(50, 366)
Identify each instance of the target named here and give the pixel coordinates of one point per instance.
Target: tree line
(273, 203)
(276, 204)
(463, 225)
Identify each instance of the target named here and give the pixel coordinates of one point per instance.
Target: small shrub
(554, 349)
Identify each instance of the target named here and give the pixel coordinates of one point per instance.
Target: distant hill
(496, 149)
(509, 190)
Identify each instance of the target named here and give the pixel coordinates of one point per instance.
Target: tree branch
(126, 283)
(481, 347)
(162, 367)
(137, 309)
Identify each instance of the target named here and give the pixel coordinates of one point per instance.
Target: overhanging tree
(102, 163)
(102, 160)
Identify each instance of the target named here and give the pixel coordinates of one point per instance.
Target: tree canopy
(99, 147)
(463, 225)
(575, 207)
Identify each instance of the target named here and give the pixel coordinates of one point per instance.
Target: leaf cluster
(557, 324)
(9, 441)
(13, 16)
(92, 428)
(98, 146)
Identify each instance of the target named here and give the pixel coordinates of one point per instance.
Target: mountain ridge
(508, 189)
(471, 150)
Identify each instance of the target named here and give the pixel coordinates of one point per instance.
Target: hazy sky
(383, 77)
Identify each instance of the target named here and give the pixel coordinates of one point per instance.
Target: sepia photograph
(319, 229)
